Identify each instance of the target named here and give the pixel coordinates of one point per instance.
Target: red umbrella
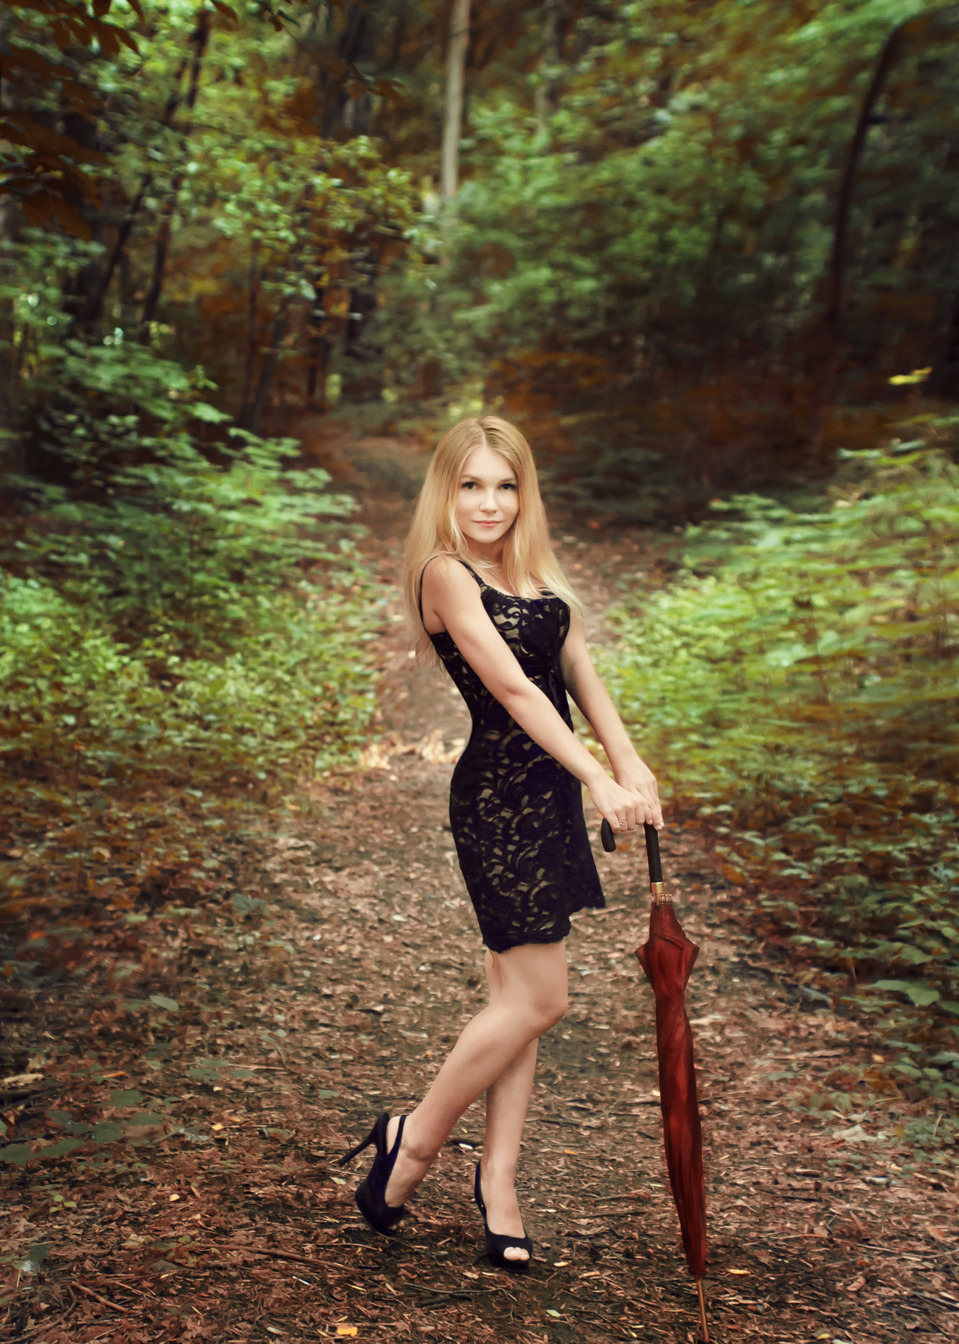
(667, 957)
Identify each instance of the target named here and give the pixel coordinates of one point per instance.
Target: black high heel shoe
(371, 1195)
(497, 1245)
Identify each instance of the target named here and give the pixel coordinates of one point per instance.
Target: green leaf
(35, 1257)
(130, 1097)
(17, 1154)
(59, 1148)
(920, 995)
(202, 410)
(109, 1131)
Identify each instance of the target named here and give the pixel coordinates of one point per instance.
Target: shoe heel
(370, 1195)
(355, 1152)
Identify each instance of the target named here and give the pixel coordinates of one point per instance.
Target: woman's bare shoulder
(445, 571)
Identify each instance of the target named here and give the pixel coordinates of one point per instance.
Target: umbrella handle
(652, 848)
(652, 854)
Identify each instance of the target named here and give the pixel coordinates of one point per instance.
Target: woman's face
(487, 501)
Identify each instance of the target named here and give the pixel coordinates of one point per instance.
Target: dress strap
(419, 586)
(482, 583)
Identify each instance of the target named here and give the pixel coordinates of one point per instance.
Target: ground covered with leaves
(179, 1083)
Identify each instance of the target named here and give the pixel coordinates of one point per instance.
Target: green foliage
(217, 208)
(146, 527)
(799, 680)
(671, 223)
(173, 603)
(296, 695)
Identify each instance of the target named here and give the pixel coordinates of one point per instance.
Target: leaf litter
(177, 1090)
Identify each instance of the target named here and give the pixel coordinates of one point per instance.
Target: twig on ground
(104, 1301)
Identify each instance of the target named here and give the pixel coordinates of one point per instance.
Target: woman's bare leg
(507, 1101)
(531, 995)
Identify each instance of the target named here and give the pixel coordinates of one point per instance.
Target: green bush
(174, 592)
(167, 535)
(296, 695)
(799, 680)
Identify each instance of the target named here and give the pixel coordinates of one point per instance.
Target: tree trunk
(453, 117)
(246, 405)
(945, 376)
(831, 325)
(545, 101)
(199, 39)
(89, 311)
(352, 46)
(280, 323)
(318, 355)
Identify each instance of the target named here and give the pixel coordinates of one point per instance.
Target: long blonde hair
(528, 564)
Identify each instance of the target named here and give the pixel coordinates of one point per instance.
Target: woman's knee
(534, 978)
(547, 1006)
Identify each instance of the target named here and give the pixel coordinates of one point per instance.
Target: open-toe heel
(497, 1245)
(371, 1195)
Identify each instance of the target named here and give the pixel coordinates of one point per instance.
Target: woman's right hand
(622, 808)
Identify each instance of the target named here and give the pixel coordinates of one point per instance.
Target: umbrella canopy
(667, 957)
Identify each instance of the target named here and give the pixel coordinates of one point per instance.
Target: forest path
(816, 1229)
(190, 1189)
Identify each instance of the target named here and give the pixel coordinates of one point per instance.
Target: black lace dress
(515, 812)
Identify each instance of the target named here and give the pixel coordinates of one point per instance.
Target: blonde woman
(487, 595)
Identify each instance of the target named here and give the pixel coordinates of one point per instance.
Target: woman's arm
(586, 688)
(451, 594)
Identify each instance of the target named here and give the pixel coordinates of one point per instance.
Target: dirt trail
(817, 1229)
(330, 985)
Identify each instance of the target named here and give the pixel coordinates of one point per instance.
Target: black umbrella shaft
(652, 854)
(652, 848)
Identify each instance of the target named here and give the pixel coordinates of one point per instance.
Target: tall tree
(453, 116)
(544, 99)
(198, 41)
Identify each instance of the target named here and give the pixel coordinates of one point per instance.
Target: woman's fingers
(650, 807)
(640, 782)
(626, 808)
(649, 812)
(631, 818)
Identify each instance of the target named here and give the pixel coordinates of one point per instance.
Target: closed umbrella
(667, 957)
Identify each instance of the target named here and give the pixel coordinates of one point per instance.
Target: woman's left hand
(640, 780)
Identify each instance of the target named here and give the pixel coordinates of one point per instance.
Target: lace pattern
(515, 812)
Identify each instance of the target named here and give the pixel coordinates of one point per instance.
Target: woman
(484, 589)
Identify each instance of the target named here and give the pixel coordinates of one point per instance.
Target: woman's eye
(509, 485)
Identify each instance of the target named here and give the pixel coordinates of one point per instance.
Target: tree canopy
(694, 193)
(703, 251)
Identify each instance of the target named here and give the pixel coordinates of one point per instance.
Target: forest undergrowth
(180, 1081)
(798, 680)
